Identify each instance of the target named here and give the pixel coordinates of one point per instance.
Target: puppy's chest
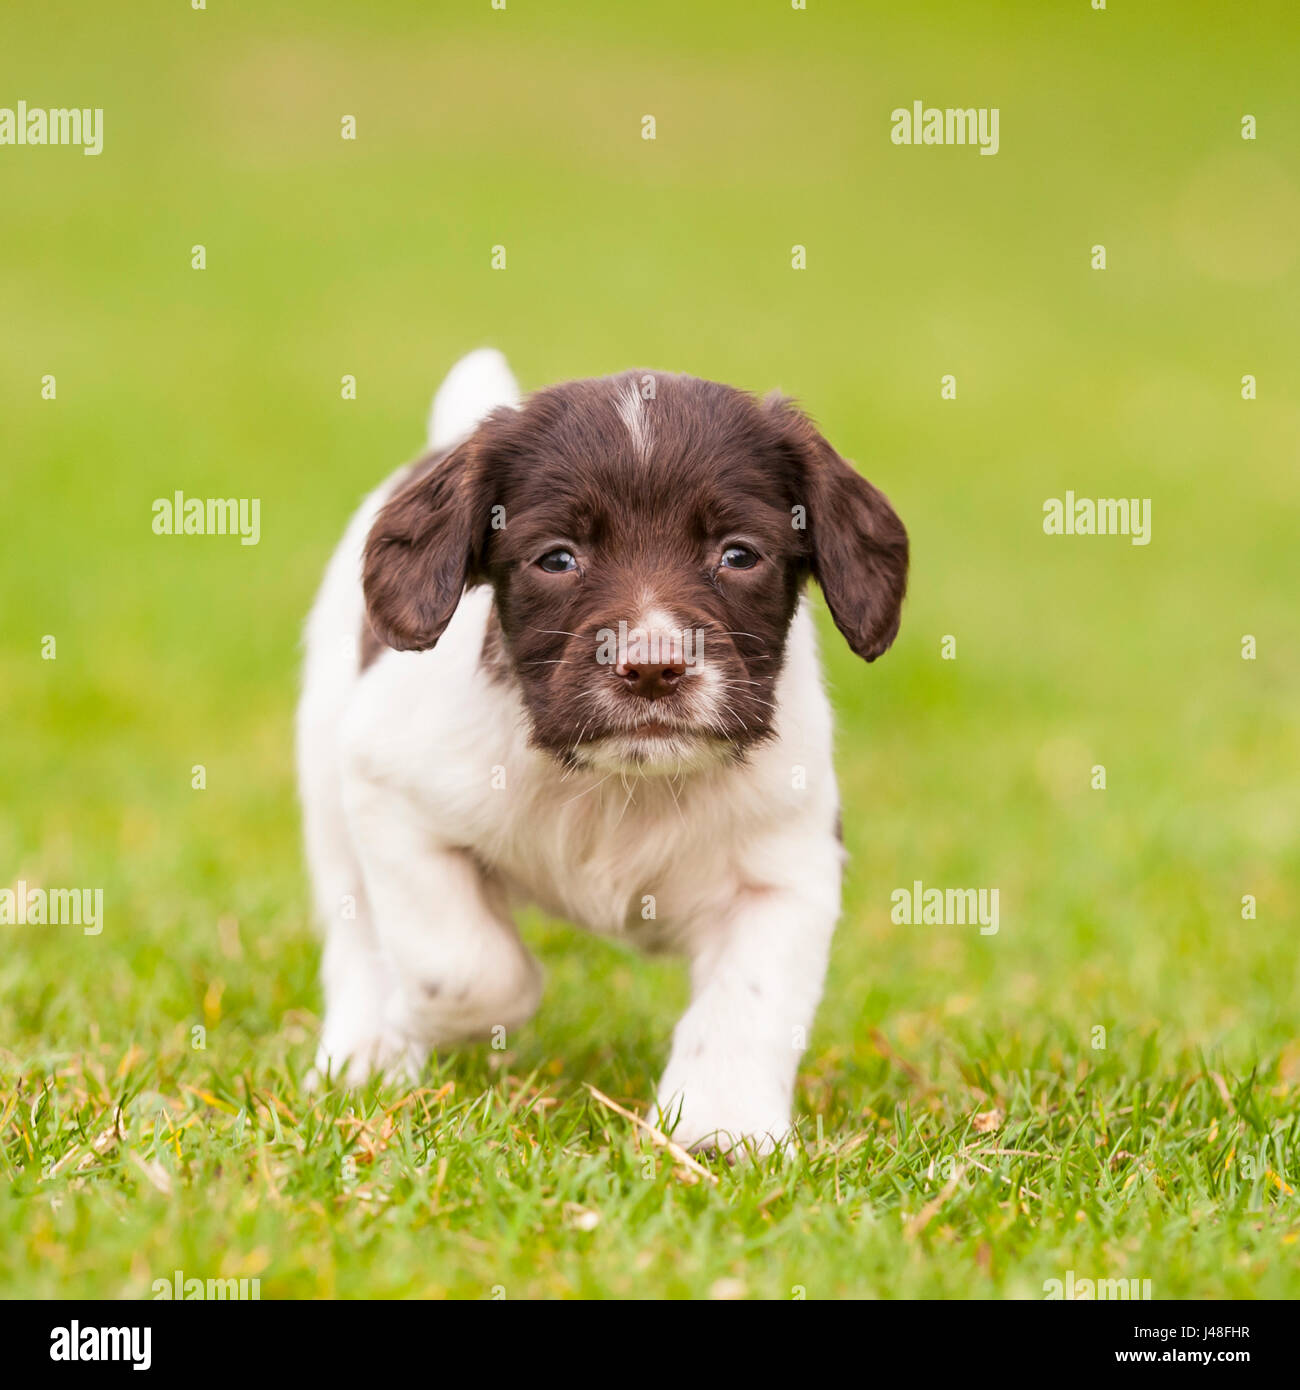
(634, 861)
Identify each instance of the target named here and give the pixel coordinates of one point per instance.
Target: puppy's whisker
(757, 699)
(626, 804)
(735, 716)
(673, 793)
(585, 790)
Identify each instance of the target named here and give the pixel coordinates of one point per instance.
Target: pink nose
(651, 680)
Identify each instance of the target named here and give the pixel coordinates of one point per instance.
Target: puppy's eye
(739, 557)
(558, 561)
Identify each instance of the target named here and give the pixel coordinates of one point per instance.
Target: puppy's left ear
(857, 544)
(427, 543)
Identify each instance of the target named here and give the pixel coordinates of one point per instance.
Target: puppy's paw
(736, 1123)
(389, 1054)
(454, 1009)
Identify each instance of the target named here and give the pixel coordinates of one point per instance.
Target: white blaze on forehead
(632, 411)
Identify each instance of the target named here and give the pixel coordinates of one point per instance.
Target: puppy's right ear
(859, 546)
(425, 547)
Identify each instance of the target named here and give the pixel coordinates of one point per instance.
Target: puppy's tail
(477, 384)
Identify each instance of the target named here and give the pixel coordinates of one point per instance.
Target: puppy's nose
(652, 680)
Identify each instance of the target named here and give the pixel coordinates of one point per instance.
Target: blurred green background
(522, 128)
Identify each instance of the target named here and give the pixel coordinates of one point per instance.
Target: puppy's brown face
(646, 537)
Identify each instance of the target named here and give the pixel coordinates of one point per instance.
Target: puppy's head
(646, 537)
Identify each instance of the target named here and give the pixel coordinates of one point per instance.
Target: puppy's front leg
(459, 967)
(756, 981)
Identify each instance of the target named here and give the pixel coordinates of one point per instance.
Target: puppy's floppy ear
(857, 544)
(426, 546)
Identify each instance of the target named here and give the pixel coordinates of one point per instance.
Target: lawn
(1107, 1086)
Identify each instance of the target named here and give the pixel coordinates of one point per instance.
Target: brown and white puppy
(564, 659)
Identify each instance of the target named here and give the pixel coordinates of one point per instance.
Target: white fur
(479, 382)
(632, 411)
(428, 815)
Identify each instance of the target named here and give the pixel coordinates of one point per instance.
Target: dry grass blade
(657, 1136)
(155, 1174)
(984, 1168)
(928, 1212)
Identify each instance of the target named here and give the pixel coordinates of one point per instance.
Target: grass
(964, 1132)
(501, 1176)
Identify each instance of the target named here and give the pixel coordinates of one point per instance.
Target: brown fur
(564, 470)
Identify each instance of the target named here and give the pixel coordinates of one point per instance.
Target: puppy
(565, 659)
